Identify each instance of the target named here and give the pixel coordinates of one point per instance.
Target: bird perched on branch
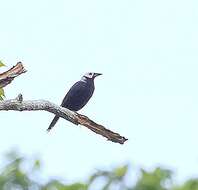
(78, 95)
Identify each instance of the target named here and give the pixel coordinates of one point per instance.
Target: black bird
(78, 95)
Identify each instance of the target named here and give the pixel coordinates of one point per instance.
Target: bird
(78, 95)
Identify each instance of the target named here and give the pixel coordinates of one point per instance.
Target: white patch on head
(89, 75)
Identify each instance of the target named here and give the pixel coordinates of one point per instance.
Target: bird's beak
(97, 74)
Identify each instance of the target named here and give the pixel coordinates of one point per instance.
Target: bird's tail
(53, 123)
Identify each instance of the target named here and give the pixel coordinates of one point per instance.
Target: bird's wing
(76, 97)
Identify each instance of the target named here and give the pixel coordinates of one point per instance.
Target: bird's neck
(87, 80)
(84, 79)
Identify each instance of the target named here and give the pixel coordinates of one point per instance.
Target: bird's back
(78, 95)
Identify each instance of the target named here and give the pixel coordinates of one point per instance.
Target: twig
(7, 77)
(18, 104)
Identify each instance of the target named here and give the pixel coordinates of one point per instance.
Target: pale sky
(147, 52)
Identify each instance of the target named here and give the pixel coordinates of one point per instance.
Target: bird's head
(91, 75)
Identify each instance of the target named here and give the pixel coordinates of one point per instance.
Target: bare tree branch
(7, 77)
(18, 104)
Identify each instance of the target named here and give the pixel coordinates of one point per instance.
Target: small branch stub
(19, 98)
(18, 104)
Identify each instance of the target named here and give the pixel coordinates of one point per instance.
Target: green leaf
(2, 94)
(121, 171)
(37, 164)
(1, 64)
